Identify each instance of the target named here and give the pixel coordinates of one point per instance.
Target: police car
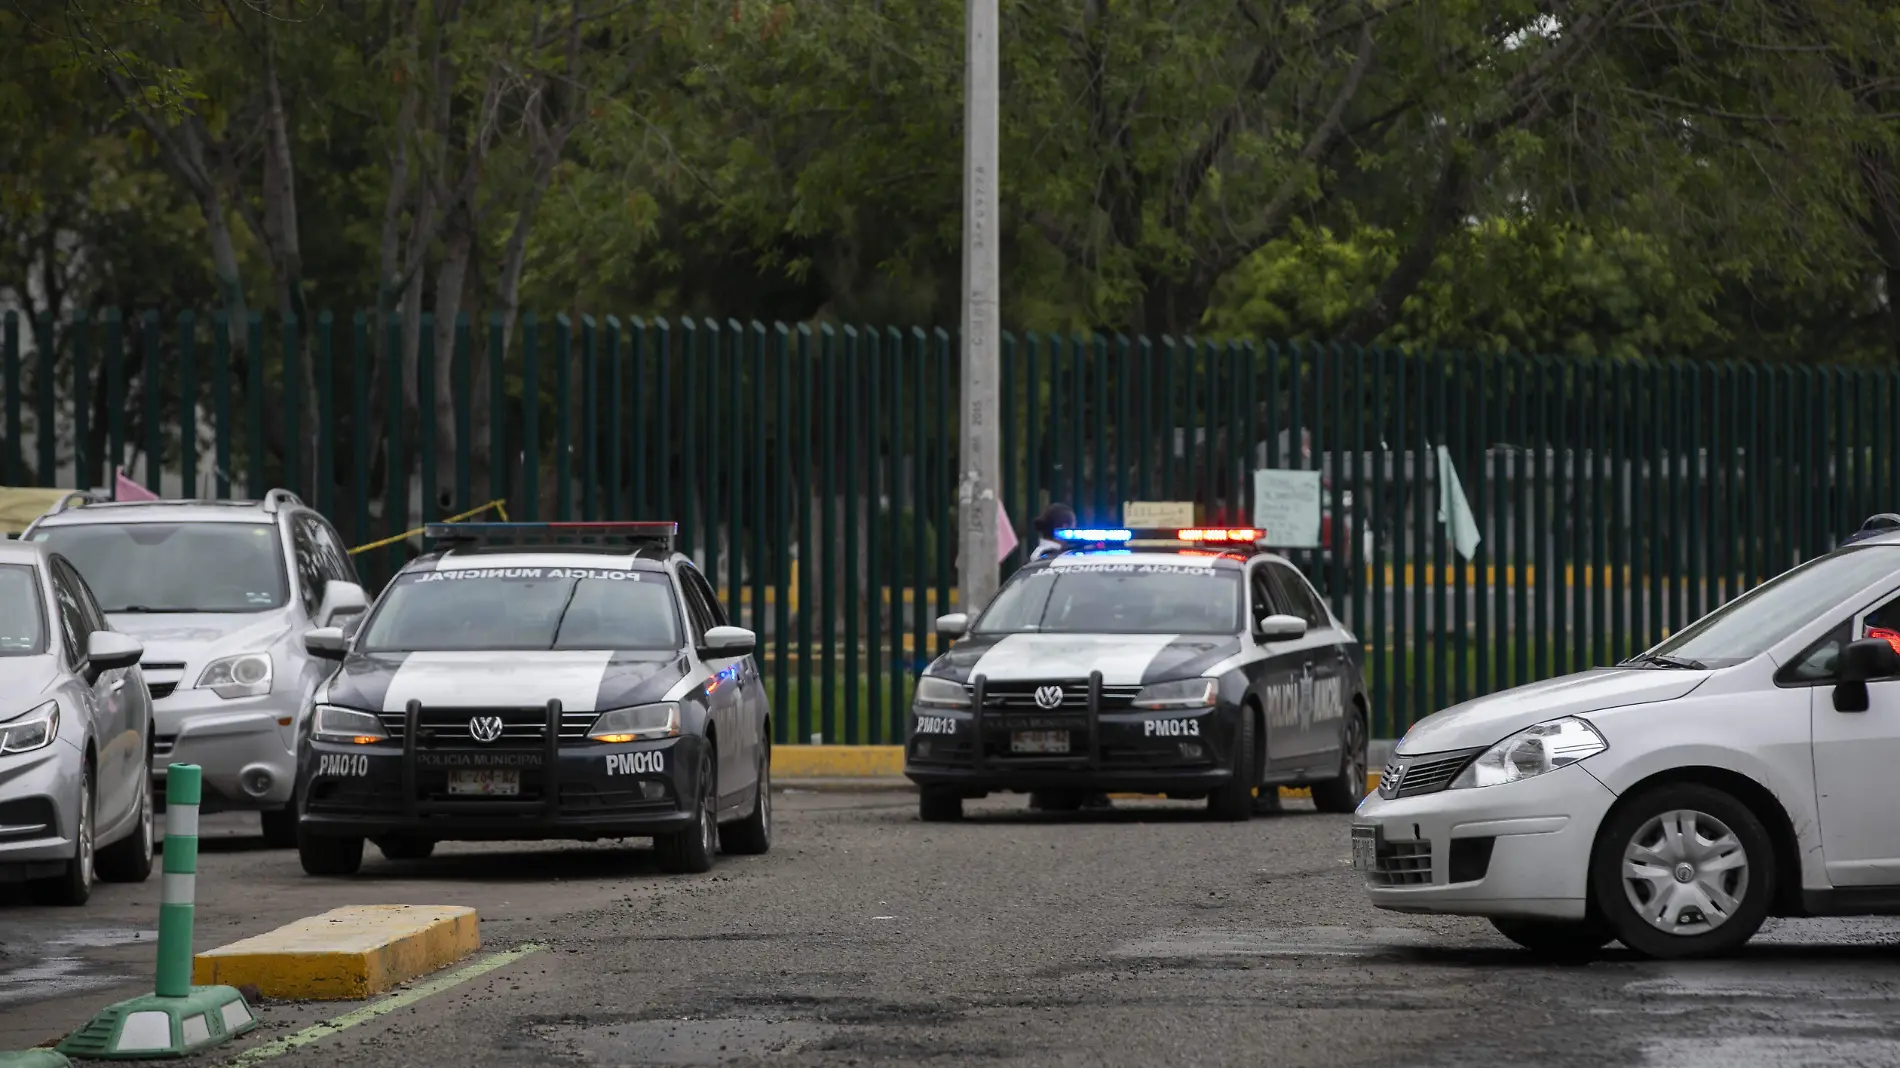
(1184, 662)
(538, 691)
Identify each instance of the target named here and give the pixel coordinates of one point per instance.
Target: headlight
(933, 692)
(640, 723)
(347, 725)
(35, 730)
(1186, 693)
(248, 675)
(1532, 751)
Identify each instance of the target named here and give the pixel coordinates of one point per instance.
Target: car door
(722, 697)
(128, 691)
(1855, 753)
(1274, 678)
(1320, 664)
(112, 731)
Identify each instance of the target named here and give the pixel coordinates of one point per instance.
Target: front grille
(1013, 697)
(520, 726)
(1409, 776)
(161, 690)
(1402, 864)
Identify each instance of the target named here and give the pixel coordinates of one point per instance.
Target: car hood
(185, 637)
(582, 681)
(1123, 659)
(23, 680)
(1489, 720)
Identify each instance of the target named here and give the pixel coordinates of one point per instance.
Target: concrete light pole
(977, 490)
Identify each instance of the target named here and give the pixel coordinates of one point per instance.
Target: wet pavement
(1143, 936)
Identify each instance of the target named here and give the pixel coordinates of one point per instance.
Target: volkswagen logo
(484, 728)
(1048, 696)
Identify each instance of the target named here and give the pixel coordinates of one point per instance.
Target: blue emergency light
(1090, 534)
(660, 533)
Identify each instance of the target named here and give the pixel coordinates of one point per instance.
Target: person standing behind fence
(1057, 516)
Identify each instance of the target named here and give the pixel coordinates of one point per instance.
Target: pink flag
(124, 489)
(1005, 534)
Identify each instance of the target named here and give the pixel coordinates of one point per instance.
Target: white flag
(1453, 510)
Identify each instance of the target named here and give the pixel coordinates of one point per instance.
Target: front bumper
(1116, 748)
(39, 795)
(1519, 849)
(564, 792)
(244, 746)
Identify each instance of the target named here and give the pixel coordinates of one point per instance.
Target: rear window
(1117, 598)
(22, 617)
(524, 608)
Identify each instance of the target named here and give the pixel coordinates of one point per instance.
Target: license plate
(1039, 742)
(485, 783)
(1365, 850)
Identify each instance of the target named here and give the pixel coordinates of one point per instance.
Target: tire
(324, 855)
(1737, 862)
(72, 887)
(129, 860)
(1343, 792)
(691, 851)
(752, 836)
(405, 848)
(280, 826)
(1558, 940)
(1232, 801)
(935, 804)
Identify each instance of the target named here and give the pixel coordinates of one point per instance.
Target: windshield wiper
(146, 609)
(1665, 660)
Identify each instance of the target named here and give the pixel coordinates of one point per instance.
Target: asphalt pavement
(1143, 936)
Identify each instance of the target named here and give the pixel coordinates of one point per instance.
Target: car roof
(1233, 561)
(160, 511)
(14, 551)
(468, 557)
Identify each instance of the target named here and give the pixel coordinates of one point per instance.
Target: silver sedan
(75, 735)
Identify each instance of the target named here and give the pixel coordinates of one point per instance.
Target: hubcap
(85, 830)
(708, 816)
(1356, 755)
(1685, 872)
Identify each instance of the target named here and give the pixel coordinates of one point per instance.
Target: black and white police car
(1183, 662)
(538, 691)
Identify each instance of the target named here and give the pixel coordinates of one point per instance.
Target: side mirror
(327, 643)
(1280, 628)
(724, 642)
(953, 625)
(340, 598)
(1861, 662)
(108, 650)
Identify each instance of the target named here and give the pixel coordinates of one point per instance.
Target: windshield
(22, 623)
(1117, 598)
(1767, 615)
(175, 567)
(495, 608)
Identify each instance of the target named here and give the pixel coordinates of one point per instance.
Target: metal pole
(976, 497)
(183, 790)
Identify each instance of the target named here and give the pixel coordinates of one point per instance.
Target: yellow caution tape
(498, 505)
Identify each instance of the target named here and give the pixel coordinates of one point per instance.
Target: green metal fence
(813, 468)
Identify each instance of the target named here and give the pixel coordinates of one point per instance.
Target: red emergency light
(1222, 535)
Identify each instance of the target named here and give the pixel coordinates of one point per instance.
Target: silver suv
(220, 594)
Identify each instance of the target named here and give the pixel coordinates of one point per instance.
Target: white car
(1744, 768)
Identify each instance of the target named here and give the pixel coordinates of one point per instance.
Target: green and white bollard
(178, 1019)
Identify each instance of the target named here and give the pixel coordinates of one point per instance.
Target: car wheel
(1684, 870)
(691, 851)
(280, 825)
(936, 804)
(1343, 793)
(129, 860)
(402, 848)
(324, 855)
(1232, 801)
(753, 835)
(1560, 940)
(73, 885)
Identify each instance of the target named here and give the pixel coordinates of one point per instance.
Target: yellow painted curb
(836, 761)
(345, 954)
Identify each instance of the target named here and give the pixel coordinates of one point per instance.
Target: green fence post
(85, 460)
(326, 413)
(531, 417)
(859, 731)
(590, 424)
(426, 429)
(220, 394)
(462, 378)
(10, 355)
(187, 403)
(641, 433)
(254, 403)
(616, 430)
(178, 1019)
(292, 395)
(943, 490)
(784, 511)
(763, 531)
(47, 418)
(734, 433)
(895, 573)
(564, 419)
(360, 443)
(396, 471)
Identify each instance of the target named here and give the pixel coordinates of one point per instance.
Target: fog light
(923, 749)
(653, 791)
(256, 781)
(1191, 750)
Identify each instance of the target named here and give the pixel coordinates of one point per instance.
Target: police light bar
(651, 532)
(1223, 535)
(1093, 534)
